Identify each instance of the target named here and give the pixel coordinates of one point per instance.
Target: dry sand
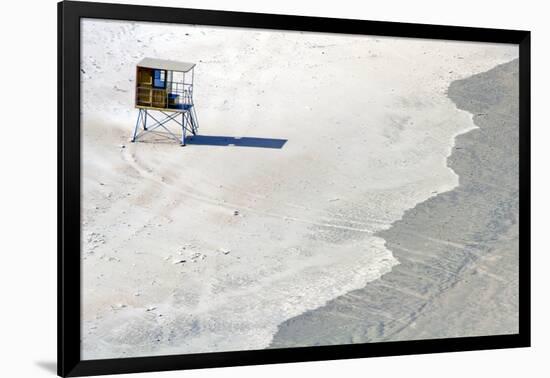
(168, 264)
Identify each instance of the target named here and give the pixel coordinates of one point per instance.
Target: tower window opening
(159, 79)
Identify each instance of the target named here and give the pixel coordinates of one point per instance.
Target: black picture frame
(69, 155)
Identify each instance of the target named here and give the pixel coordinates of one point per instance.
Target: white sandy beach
(208, 248)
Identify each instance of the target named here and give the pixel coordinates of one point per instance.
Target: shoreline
(458, 265)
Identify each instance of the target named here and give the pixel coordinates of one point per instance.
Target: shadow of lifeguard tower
(164, 93)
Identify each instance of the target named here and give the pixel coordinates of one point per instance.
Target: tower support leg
(183, 129)
(194, 123)
(145, 120)
(137, 125)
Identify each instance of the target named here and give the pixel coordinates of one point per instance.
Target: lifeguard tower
(164, 93)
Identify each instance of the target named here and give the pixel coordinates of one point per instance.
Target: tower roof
(163, 64)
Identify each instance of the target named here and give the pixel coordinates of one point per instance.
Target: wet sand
(458, 251)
